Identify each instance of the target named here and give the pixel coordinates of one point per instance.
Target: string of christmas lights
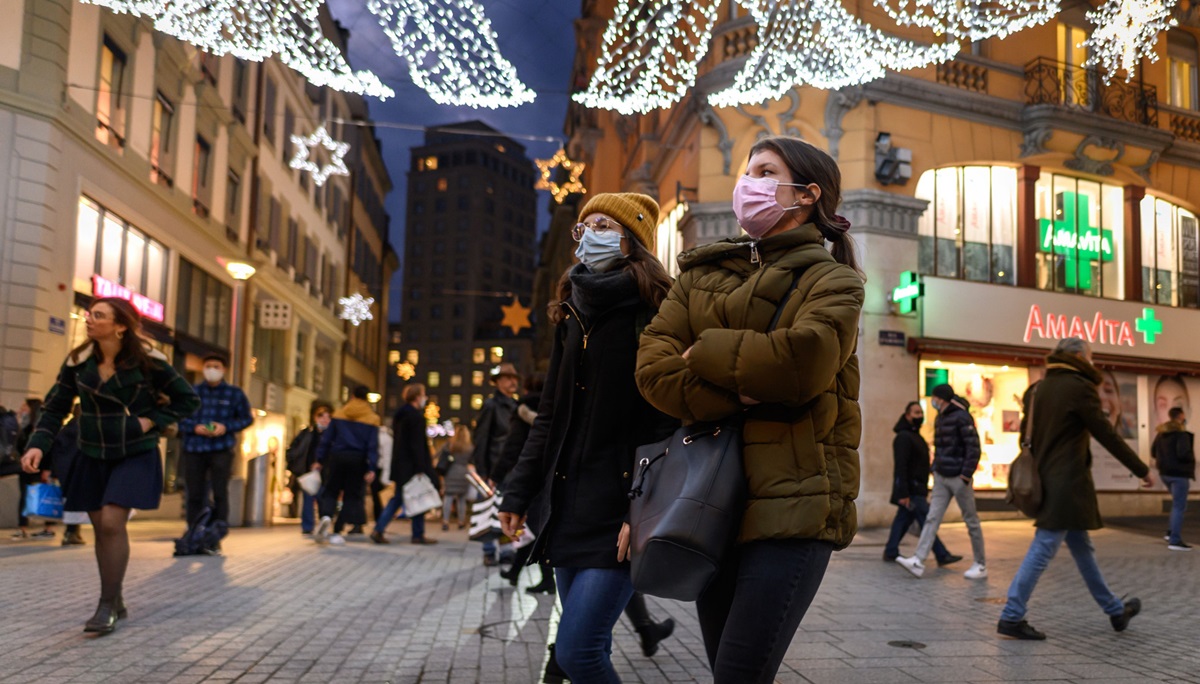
(971, 19)
(818, 43)
(451, 52)
(1126, 31)
(650, 55)
(256, 30)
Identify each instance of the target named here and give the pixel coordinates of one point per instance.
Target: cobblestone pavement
(279, 608)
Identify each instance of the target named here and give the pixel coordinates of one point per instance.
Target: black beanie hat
(944, 392)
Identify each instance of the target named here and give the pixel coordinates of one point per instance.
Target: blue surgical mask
(599, 251)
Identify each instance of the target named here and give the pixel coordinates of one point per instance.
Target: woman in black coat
(410, 455)
(573, 476)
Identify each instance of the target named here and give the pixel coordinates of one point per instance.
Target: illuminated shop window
(1081, 236)
(1170, 261)
(968, 230)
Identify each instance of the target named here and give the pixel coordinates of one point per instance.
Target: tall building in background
(469, 251)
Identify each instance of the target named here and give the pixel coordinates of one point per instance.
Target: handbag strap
(1028, 441)
(783, 302)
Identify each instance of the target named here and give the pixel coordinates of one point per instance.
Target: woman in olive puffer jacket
(706, 357)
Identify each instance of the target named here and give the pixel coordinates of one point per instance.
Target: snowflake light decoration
(650, 54)
(819, 43)
(356, 308)
(451, 52)
(256, 30)
(971, 19)
(574, 170)
(1126, 31)
(303, 157)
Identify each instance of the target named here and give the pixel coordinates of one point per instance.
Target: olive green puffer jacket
(803, 475)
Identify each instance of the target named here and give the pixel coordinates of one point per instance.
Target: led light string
(651, 53)
(971, 19)
(1126, 31)
(818, 43)
(451, 52)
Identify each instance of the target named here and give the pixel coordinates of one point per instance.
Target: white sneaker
(911, 564)
(337, 540)
(321, 534)
(976, 571)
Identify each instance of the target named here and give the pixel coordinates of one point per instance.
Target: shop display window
(109, 246)
(1170, 260)
(969, 229)
(1081, 236)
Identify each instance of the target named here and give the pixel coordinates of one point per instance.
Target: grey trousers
(943, 489)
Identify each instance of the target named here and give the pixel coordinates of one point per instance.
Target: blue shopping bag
(43, 501)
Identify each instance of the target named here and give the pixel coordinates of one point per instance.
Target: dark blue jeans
(751, 611)
(1041, 551)
(308, 504)
(918, 508)
(1178, 486)
(389, 514)
(592, 602)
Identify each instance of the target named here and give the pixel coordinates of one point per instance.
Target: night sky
(537, 36)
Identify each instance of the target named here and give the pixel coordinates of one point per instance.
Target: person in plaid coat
(128, 394)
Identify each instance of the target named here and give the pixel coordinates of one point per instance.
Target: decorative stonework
(1099, 167)
(839, 103)
(708, 222)
(708, 117)
(1035, 140)
(876, 211)
(1144, 169)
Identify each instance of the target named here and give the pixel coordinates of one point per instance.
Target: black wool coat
(1067, 410)
(576, 468)
(518, 432)
(910, 456)
(410, 447)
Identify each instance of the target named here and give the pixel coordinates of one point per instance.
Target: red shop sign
(102, 287)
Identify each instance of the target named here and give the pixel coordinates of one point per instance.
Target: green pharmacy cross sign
(1148, 326)
(1072, 238)
(909, 291)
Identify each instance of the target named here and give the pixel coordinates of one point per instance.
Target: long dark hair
(135, 351)
(652, 280)
(808, 164)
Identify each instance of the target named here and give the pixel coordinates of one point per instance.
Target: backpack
(202, 537)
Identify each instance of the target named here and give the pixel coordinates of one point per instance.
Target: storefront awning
(954, 350)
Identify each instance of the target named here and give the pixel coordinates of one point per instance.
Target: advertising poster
(1119, 400)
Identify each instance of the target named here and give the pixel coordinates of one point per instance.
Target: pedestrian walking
(491, 430)
(1066, 409)
(453, 465)
(128, 394)
(302, 454)
(1173, 453)
(956, 455)
(410, 456)
(210, 438)
(910, 484)
(27, 418)
(706, 356)
(346, 456)
(63, 454)
(575, 470)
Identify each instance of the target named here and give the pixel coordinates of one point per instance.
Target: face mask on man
(213, 375)
(599, 251)
(323, 422)
(755, 206)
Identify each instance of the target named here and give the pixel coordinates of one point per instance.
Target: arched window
(1170, 261)
(969, 229)
(1081, 236)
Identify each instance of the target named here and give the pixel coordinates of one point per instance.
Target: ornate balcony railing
(1185, 126)
(1067, 85)
(972, 77)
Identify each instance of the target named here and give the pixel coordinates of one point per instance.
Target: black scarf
(594, 293)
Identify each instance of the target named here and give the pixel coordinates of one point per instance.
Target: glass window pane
(87, 228)
(156, 270)
(111, 248)
(926, 225)
(135, 254)
(1004, 224)
(975, 195)
(1148, 252)
(1189, 260)
(1166, 252)
(948, 216)
(1112, 218)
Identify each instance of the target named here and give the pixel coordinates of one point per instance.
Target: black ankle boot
(546, 586)
(554, 674)
(652, 633)
(512, 574)
(105, 619)
(122, 612)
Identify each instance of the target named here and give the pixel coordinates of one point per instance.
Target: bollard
(258, 504)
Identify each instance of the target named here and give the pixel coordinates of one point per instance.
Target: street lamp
(241, 272)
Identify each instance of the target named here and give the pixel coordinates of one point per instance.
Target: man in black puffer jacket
(956, 455)
(1174, 456)
(910, 484)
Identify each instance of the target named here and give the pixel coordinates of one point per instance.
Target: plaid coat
(108, 423)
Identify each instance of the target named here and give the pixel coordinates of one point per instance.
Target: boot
(122, 611)
(554, 674)
(72, 538)
(651, 632)
(105, 619)
(512, 574)
(546, 586)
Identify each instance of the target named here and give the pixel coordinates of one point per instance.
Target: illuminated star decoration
(255, 30)
(516, 316)
(451, 52)
(303, 157)
(573, 169)
(1126, 31)
(971, 19)
(650, 56)
(356, 308)
(818, 43)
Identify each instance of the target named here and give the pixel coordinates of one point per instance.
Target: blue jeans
(1041, 551)
(592, 602)
(308, 503)
(1178, 486)
(916, 510)
(389, 514)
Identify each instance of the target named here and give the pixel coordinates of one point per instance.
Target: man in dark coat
(910, 484)
(491, 430)
(956, 455)
(410, 455)
(1174, 456)
(1066, 409)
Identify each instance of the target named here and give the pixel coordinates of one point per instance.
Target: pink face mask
(755, 206)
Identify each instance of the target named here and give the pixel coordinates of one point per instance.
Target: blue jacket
(224, 404)
(350, 436)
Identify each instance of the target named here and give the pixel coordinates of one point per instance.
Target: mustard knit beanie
(637, 212)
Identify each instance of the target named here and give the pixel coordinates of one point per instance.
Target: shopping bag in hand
(43, 501)
(420, 495)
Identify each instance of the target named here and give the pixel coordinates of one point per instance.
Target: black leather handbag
(687, 502)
